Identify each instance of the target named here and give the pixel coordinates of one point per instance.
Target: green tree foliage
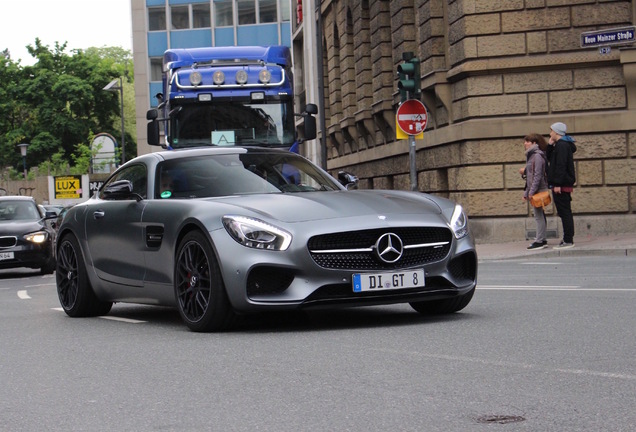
(58, 104)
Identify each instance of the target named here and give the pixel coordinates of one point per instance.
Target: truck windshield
(233, 123)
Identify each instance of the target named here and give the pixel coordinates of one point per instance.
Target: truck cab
(226, 96)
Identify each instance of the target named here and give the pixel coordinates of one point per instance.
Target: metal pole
(24, 166)
(123, 143)
(321, 89)
(413, 168)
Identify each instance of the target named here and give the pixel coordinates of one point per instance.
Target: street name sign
(606, 37)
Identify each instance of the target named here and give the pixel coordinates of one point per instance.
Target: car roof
(17, 198)
(205, 151)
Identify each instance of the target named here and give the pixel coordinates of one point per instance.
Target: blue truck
(225, 96)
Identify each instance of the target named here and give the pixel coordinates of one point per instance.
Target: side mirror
(348, 180)
(310, 127)
(50, 215)
(119, 190)
(153, 127)
(311, 109)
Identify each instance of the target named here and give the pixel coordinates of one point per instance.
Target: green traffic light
(407, 68)
(409, 79)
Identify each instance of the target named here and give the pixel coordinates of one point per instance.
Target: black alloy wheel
(200, 293)
(73, 287)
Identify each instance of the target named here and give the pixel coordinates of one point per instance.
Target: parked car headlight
(37, 237)
(256, 234)
(459, 222)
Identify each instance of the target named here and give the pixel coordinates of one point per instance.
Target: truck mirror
(152, 114)
(311, 109)
(153, 132)
(310, 128)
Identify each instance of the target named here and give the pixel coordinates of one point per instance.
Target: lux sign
(68, 187)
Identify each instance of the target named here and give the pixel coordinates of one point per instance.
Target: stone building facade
(492, 72)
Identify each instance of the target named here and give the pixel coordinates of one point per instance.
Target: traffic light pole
(413, 165)
(409, 87)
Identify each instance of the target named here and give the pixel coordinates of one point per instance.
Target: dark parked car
(26, 240)
(53, 207)
(220, 231)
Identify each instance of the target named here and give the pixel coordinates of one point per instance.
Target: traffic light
(409, 77)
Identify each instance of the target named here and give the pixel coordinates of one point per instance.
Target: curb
(559, 253)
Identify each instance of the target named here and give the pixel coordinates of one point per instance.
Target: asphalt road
(545, 345)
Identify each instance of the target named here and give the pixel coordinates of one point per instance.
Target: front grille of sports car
(8, 241)
(355, 250)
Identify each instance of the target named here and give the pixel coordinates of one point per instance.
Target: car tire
(445, 306)
(73, 287)
(49, 267)
(199, 290)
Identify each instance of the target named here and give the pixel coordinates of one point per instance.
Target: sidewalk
(623, 244)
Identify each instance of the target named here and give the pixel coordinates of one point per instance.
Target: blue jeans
(563, 203)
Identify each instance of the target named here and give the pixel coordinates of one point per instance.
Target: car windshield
(18, 210)
(229, 124)
(239, 174)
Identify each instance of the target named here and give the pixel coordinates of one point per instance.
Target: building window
(267, 12)
(246, 12)
(180, 17)
(156, 19)
(201, 15)
(223, 13)
(284, 10)
(156, 65)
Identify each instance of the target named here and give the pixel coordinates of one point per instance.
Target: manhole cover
(500, 419)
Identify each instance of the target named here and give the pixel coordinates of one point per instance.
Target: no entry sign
(412, 117)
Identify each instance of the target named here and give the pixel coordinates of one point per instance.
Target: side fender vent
(154, 236)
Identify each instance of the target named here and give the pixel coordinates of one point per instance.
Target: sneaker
(536, 246)
(545, 242)
(564, 245)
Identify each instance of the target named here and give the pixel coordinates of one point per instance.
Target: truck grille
(357, 250)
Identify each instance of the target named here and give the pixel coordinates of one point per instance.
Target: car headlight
(256, 234)
(37, 237)
(459, 222)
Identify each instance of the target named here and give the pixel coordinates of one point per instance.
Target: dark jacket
(561, 162)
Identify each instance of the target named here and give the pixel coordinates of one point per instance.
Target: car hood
(308, 206)
(17, 228)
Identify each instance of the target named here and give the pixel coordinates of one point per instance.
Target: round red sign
(412, 117)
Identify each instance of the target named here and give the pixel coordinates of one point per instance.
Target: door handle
(98, 214)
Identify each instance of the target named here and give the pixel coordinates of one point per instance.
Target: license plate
(364, 282)
(6, 255)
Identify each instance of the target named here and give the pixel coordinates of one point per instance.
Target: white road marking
(39, 285)
(126, 320)
(112, 318)
(549, 288)
(503, 363)
(22, 295)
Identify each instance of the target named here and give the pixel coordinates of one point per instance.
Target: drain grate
(500, 419)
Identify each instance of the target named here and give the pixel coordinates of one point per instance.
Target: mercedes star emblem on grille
(389, 248)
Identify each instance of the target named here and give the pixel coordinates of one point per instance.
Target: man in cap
(561, 178)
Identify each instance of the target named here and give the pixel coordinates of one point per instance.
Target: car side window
(136, 174)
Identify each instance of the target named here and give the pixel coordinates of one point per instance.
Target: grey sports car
(217, 232)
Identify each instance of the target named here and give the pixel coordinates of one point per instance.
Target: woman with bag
(536, 181)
